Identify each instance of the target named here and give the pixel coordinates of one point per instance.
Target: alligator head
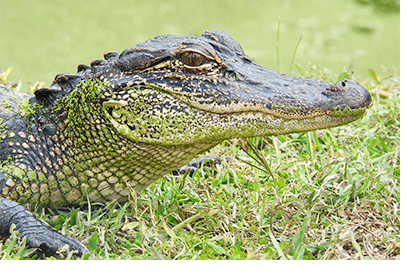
(175, 90)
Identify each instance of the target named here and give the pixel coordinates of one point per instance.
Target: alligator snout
(348, 93)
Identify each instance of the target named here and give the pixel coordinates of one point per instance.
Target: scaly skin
(135, 116)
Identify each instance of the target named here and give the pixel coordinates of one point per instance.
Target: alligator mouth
(154, 115)
(342, 99)
(245, 124)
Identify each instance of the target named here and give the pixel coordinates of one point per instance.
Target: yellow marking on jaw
(116, 103)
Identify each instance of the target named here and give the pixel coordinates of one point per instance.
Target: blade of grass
(294, 53)
(277, 246)
(187, 221)
(278, 44)
(309, 139)
(297, 248)
(260, 158)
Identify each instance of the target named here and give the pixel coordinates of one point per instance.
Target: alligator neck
(82, 156)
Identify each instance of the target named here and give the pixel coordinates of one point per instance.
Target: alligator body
(128, 119)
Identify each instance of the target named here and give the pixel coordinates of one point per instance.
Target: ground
(328, 194)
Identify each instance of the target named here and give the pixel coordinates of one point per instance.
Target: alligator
(126, 120)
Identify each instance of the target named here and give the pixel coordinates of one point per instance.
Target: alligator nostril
(343, 83)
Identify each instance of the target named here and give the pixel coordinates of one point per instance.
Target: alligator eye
(192, 59)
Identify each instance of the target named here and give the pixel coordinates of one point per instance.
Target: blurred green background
(39, 39)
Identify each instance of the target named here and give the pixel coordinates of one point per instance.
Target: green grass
(329, 194)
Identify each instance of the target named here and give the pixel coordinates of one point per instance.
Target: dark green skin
(50, 154)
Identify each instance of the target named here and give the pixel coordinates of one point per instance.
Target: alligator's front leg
(192, 166)
(38, 234)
